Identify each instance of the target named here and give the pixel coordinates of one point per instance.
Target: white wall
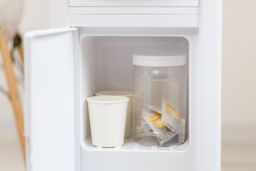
(239, 62)
(35, 15)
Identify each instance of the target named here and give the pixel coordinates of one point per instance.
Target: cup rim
(114, 93)
(107, 99)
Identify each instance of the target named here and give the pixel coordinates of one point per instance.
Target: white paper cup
(107, 120)
(129, 115)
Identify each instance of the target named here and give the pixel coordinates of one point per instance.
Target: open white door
(49, 99)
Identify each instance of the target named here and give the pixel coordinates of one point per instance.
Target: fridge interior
(106, 64)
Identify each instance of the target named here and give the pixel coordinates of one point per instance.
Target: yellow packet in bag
(171, 110)
(162, 134)
(155, 118)
(170, 116)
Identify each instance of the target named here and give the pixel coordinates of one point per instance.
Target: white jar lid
(159, 61)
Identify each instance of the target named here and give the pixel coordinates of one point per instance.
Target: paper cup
(107, 120)
(129, 115)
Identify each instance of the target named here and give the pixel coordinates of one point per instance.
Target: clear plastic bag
(170, 116)
(159, 130)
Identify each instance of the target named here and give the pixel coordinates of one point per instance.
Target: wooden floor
(239, 157)
(10, 153)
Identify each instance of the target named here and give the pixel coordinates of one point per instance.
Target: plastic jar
(160, 100)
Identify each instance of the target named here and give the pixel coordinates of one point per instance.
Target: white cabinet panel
(50, 102)
(141, 3)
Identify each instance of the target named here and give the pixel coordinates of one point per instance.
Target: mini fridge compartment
(106, 64)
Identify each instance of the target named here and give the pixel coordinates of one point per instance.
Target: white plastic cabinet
(65, 66)
(113, 3)
(50, 99)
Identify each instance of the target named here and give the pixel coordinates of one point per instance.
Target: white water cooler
(89, 49)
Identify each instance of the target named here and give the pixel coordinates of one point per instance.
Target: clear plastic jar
(160, 100)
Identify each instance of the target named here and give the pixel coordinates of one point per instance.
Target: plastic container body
(160, 104)
(107, 120)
